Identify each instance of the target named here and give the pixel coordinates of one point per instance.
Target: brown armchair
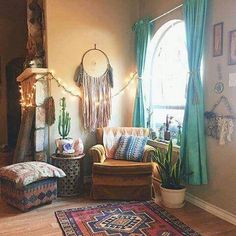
(120, 179)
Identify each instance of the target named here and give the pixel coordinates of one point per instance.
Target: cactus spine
(64, 120)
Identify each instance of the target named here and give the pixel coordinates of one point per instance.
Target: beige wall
(72, 28)
(156, 8)
(221, 190)
(12, 44)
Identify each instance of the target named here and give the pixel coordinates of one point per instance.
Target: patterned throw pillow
(26, 173)
(130, 148)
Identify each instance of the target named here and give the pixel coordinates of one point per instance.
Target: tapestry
(122, 219)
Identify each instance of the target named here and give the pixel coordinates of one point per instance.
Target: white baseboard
(225, 215)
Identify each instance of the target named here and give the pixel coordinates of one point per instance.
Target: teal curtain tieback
(192, 76)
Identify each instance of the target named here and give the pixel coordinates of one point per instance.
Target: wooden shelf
(28, 72)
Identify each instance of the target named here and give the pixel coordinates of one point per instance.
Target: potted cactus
(64, 144)
(172, 190)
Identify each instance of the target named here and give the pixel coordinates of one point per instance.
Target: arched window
(167, 72)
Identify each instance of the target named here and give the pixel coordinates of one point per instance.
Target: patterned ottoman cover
(32, 195)
(29, 184)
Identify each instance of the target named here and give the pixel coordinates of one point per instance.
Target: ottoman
(31, 195)
(30, 184)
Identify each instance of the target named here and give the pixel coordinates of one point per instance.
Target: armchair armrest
(148, 152)
(97, 153)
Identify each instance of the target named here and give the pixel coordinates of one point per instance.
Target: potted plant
(172, 190)
(64, 144)
(167, 126)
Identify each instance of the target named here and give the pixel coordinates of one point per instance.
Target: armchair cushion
(113, 167)
(109, 137)
(131, 148)
(25, 173)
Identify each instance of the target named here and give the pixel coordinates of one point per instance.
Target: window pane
(169, 72)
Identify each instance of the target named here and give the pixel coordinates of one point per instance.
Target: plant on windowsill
(64, 143)
(167, 126)
(179, 133)
(172, 191)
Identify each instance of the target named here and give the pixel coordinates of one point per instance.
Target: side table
(72, 184)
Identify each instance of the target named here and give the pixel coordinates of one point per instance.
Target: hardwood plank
(42, 221)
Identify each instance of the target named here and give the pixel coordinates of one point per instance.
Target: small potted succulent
(167, 126)
(172, 190)
(64, 144)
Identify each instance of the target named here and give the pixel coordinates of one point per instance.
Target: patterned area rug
(121, 219)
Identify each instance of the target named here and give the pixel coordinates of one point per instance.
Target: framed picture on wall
(232, 47)
(218, 39)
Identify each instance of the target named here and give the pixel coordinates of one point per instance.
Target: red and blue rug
(122, 219)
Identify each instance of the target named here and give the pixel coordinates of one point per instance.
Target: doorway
(13, 39)
(13, 69)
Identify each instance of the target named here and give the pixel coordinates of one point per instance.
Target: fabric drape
(193, 145)
(142, 30)
(96, 99)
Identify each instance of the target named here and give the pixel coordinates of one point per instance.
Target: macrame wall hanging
(220, 127)
(96, 98)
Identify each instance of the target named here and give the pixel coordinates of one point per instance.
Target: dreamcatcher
(96, 97)
(220, 127)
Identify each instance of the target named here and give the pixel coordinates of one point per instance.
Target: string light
(29, 102)
(27, 95)
(121, 91)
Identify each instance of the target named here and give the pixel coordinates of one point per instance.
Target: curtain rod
(166, 13)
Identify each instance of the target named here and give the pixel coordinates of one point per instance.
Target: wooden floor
(41, 221)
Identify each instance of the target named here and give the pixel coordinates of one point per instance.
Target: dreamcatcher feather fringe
(96, 98)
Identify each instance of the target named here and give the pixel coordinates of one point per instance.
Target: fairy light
(52, 72)
(132, 75)
(28, 102)
(121, 91)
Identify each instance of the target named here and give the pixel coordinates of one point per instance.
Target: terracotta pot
(173, 198)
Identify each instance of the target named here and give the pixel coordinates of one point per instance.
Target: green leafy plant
(169, 170)
(64, 120)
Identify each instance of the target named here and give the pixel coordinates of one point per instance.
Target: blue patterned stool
(29, 196)
(29, 184)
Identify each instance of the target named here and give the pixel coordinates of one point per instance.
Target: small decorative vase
(167, 135)
(79, 146)
(65, 146)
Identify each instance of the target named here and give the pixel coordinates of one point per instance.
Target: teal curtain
(142, 30)
(193, 144)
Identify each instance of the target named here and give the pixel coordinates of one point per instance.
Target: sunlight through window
(168, 73)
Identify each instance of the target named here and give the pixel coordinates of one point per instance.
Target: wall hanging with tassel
(96, 98)
(50, 111)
